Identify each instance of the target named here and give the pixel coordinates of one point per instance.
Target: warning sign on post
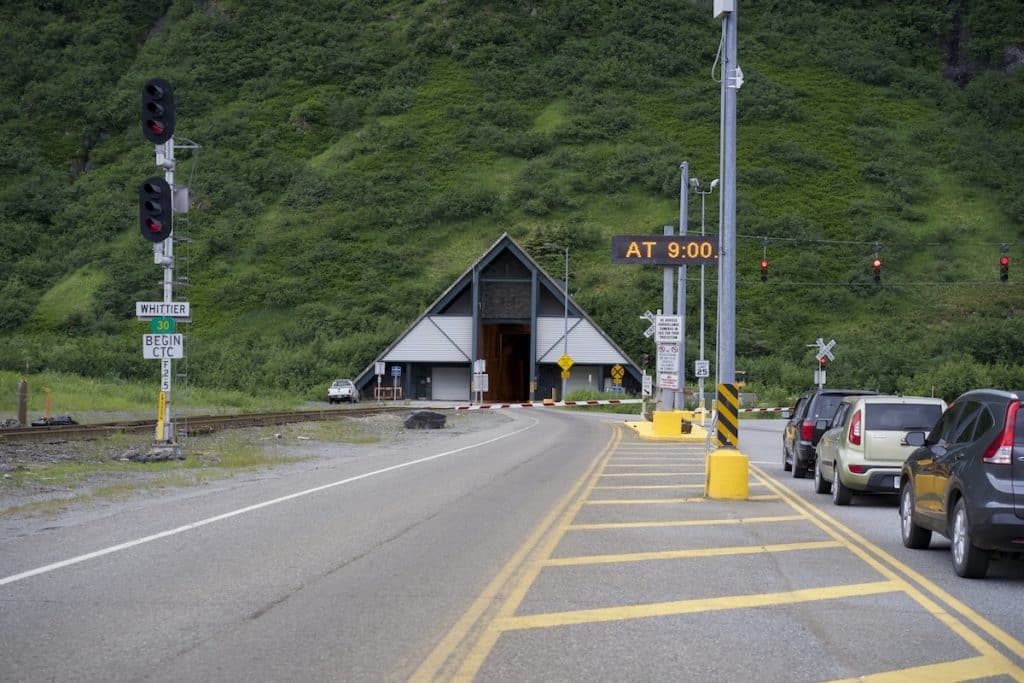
(668, 329)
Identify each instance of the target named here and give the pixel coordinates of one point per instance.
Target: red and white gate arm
(549, 404)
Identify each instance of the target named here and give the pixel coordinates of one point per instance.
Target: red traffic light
(1004, 267)
(876, 268)
(155, 209)
(764, 269)
(157, 111)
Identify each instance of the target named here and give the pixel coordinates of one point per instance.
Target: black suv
(966, 480)
(802, 433)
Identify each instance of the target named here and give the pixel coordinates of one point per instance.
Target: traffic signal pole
(156, 220)
(163, 254)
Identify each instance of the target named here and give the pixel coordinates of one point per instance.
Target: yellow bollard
(728, 475)
(669, 422)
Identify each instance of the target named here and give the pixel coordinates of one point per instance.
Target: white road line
(241, 511)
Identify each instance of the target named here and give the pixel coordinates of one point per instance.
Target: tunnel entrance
(506, 348)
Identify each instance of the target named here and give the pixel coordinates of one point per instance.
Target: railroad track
(192, 425)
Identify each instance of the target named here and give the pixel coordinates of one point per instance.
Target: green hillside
(355, 157)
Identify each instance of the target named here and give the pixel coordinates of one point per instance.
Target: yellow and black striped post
(728, 432)
(728, 469)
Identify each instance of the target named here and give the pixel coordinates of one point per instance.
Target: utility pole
(732, 80)
(684, 181)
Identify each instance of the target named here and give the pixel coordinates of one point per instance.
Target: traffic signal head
(764, 270)
(1004, 268)
(876, 269)
(157, 111)
(155, 209)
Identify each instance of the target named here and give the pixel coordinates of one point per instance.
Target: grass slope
(356, 157)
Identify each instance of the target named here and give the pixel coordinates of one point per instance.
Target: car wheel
(799, 469)
(840, 494)
(786, 466)
(821, 485)
(913, 535)
(969, 561)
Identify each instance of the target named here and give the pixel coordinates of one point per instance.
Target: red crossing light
(764, 270)
(1004, 268)
(876, 269)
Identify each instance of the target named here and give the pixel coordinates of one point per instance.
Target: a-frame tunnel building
(507, 311)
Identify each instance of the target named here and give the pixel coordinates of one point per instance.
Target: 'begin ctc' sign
(664, 250)
(161, 346)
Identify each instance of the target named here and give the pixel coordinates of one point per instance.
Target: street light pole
(695, 183)
(565, 318)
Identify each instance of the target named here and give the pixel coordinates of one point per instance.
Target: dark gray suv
(965, 480)
(804, 429)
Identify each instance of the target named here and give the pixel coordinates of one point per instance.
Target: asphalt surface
(542, 546)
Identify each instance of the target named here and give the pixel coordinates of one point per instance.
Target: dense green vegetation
(357, 156)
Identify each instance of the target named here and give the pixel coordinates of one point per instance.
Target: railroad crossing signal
(824, 350)
(651, 318)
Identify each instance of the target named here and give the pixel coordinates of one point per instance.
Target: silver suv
(342, 390)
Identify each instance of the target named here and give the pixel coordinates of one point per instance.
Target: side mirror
(915, 439)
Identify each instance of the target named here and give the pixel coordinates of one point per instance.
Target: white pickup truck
(342, 390)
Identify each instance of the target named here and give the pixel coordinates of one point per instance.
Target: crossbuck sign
(824, 350)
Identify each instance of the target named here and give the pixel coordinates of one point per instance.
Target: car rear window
(825, 407)
(901, 416)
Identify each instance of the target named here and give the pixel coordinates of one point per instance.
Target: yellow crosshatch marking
(465, 650)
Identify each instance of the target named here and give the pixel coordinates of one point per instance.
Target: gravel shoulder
(49, 479)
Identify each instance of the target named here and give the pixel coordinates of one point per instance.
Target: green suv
(866, 445)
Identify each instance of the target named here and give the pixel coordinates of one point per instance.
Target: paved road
(549, 547)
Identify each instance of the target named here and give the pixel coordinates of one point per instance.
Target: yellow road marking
(682, 464)
(428, 670)
(581, 560)
(654, 474)
(640, 487)
(490, 621)
(677, 607)
(685, 522)
(874, 557)
(959, 670)
(644, 501)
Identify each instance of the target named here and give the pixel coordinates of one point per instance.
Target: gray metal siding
(436, 339)
(586, 344)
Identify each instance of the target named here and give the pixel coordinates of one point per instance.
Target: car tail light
(807, 431)
(854, 436)
(1000, 451)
